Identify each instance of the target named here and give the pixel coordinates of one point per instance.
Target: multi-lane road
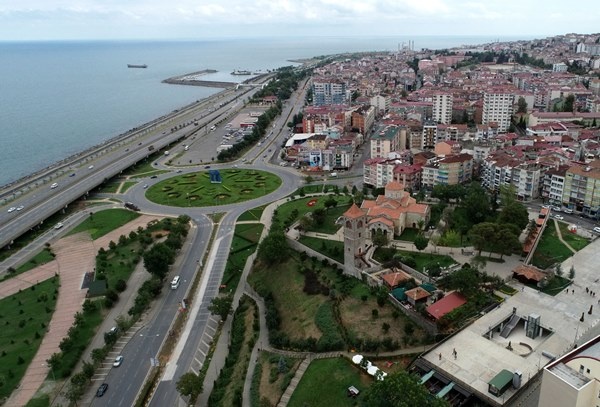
(125, 381)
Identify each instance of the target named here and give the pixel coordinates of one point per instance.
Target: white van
(175, 283)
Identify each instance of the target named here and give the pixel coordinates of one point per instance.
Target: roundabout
(210, 188)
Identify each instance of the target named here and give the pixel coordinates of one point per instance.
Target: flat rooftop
(480, 355)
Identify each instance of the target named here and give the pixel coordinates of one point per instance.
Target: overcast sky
(199, 19)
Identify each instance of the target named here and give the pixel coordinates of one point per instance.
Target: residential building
(527, 179)
(582, 189)
(442, 108)
(363, 119)
(329, 91)
(381, 104)
(385, 141)
(553, 185)
(498, 108)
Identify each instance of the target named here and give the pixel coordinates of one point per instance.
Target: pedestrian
(440, 356)
(586, 290)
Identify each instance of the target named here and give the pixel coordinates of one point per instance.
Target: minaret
(355, 234)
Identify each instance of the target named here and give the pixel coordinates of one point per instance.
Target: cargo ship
(137, 66)
(241, 72)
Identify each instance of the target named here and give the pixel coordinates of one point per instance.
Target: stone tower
(355, 235)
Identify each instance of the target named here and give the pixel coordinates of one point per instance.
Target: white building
(560, 67)
(574, 379)
(442, 108)
(498, 108)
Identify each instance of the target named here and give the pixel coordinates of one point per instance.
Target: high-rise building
(498, 108)
(329, 91)
(442, 108)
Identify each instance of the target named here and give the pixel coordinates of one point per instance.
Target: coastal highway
(191, 348)
(39, 200)
(125, 381)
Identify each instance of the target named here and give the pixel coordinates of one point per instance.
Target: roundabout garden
(200, 189)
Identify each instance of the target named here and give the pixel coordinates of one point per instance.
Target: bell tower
(355, 235)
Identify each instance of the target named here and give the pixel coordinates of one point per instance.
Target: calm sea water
(59, 98)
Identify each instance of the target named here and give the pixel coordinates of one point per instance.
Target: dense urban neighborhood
(401, 228)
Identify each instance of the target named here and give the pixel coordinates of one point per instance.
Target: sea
(58, 98)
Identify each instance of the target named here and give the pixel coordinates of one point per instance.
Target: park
(204, 188)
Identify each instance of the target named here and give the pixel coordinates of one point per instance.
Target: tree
(190, 385)
(380, 239)
(421, 242)
(319, 216)
(506, 240)
(330, 203)
(221, 306)
(274, 247)
(514, 213)
(158, 259)
(572, 273)
(400, 389)
(482, 235)
(568, 103)
(521, 105)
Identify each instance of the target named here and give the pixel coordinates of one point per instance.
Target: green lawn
(127, 185)
(575, 241)
(43, 257)
(243, 244)
(330, 248)
(291, 211)
(409, 235)
(550, 250)
(329, 226)
(41, 401)
(119, 263)
(24, 318)
(252, 214)
(422, 260)
(555, 285)
(195, 189)
(100, 223)
(326, 382)
(110, 187)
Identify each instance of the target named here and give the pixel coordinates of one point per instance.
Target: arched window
(359, 224)
(349, 224)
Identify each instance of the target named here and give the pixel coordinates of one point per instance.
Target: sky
(22, 20)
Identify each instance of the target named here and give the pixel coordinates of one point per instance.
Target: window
(581, 368)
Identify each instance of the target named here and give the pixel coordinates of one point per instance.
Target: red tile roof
(445, 305)
(354, 212)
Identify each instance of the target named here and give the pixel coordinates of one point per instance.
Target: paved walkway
(559, 234)
(27, 279)
(75, 255)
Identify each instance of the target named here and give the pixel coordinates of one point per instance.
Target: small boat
(137, 66)
(241, 72)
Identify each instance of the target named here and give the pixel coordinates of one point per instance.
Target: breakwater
(193, 79)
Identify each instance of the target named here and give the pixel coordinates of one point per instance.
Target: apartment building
(363, 119)
(385, 141)
(452, 170)
(329, 91)
(582, 189)
(442, 108)
(498, 108)
(554, 184)
(527, 179)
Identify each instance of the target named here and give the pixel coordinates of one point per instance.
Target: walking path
(75, 255)
(559, 234)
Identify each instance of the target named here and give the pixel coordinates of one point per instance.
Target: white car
(53, 185)
(118, 361)
(12, 209)
(559, 217)
(597, 229)
(568, 210)
(91, 167)
(58, 225)
(20, 208)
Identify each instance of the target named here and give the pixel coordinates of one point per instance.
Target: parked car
(556, 208)
(559, 217)
(101, 390)
(568, 210)
(118, 361)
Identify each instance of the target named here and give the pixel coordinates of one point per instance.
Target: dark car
(101, 390)
(206, 167)
(154, 176)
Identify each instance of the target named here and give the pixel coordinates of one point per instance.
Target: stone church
(389, 214)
